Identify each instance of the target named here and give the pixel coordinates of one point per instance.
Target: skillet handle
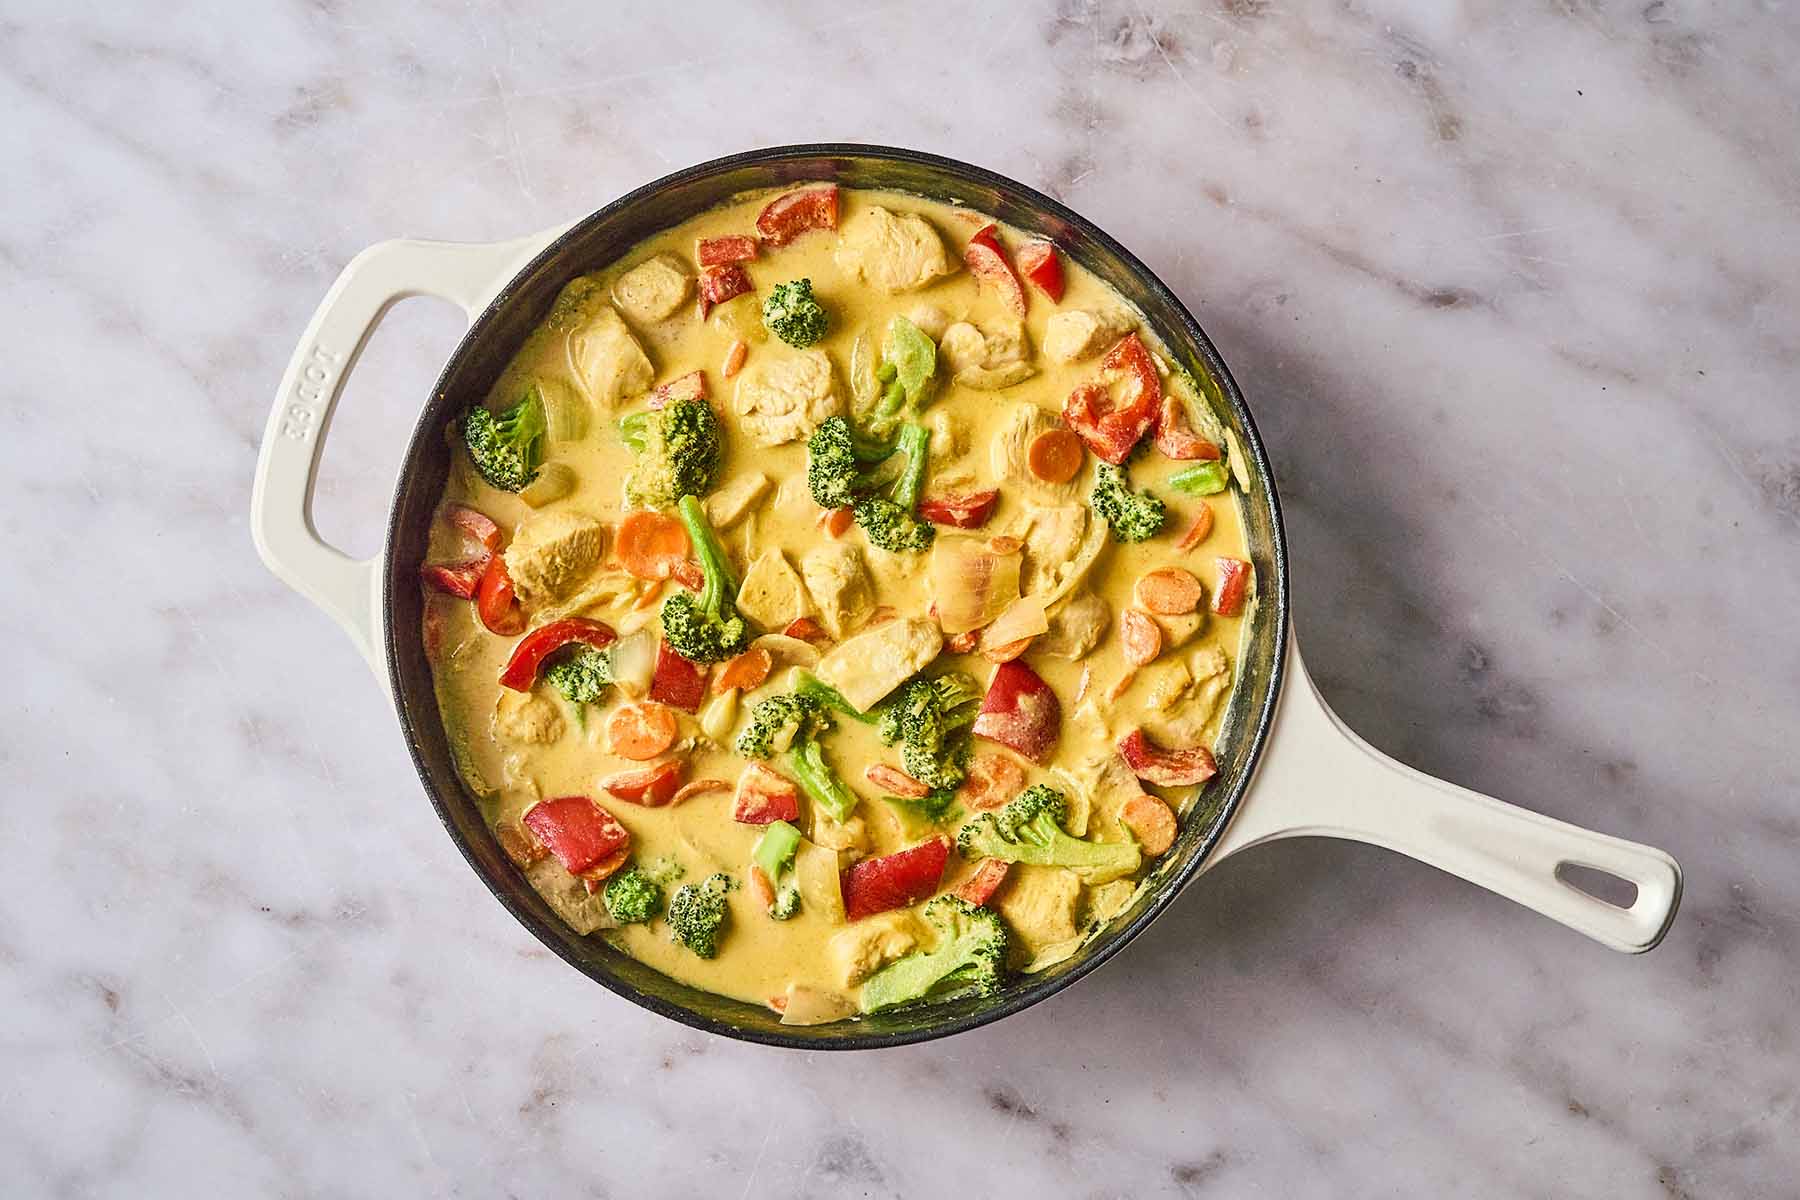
(348, 589)
(1320, 779)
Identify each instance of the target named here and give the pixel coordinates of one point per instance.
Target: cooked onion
(1023, 618)
(634, 661)
(971, 584)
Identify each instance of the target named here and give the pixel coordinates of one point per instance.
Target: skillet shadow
(1431, 694)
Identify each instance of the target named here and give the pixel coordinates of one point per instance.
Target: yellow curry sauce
(999, 385)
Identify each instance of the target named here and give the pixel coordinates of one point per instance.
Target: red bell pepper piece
(719, 284)
(1019, 711)
(1175, 438)
(522, 668)
(717, 251)
(677, 682)
(1169, 768)
(455, 579)
(1112, 427)
(1234, 583)
(495, 603)
(980, 887)
(691, 386)
(477, 525)
(894, 880)
(764, 797)
(789, 215)
(577, 831)
(1039, 263)
(986, 261)
(969, 510)
(651, 787)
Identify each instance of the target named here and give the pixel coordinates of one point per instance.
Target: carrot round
(1200, 529)
(651, 545)
(1141, 637)
(1169, 591)
(744, 672)
(1054, 456)
(835, 520)
(1151, 822)
(640, 731)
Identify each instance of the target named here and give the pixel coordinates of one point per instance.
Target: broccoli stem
(915, 443)
(814, 688)
(820, 783)
(720, 583)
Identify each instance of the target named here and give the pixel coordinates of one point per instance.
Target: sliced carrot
(760, 887)
(640, 731)
(595, 877)
(1140, 636)
(962, 643)
(835, 520)
(1121, 687)
(1006, 651)
(734, 359)
(993, 780)
(688, 574)
(1151, 822)
(896, 781)
(980, 887)
(651, 545)
(807, 630)
(699, 787)
(651, 596)
(1200, 529)
(1169, 591)
(1054, 456)
(744, 672)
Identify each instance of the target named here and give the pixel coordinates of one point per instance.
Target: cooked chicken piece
(987, 358)
(727, 506)
(606, 359)
(1076, 627)
(569, 898)
(872, 943)
(1100, 777)
(1052, 538)
(930, 319)
(653, 289)
(803, 1005)
(1009, 452)
(849, 840)
(1109, 900)
(893, 252)
(949, 439)
(771, 594)
(1184, 693)
(867, 667)
(1040, 905)
(1077, 333)
(1180, 628)
(839, 585)
(553, 554)
(526, 717)
(783, 397)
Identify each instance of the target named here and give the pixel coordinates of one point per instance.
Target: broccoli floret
(888, 520)
(811, 687)
(705, 628)
(581, 676)
(697, 913)
(969, 958)
(682, 447)
(840, 465)
(507, 447)
(632, 896)
(793, 722)
(793, 314)
(1134, 516)
(1029, 830)
(927, 717)
(774, 857)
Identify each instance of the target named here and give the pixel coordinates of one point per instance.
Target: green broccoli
(582, 676)
(793, 314)
(969, 958)
(888, 520)
(908, 362)
(811, 687)
(634, 431)
(632, 896)
(682, 448)
(1029, 830)
(927, 717)
(793, 722)
(841, 465)
(1134, 516)
(507, 448)
(705, 628)
(697, 913)
(774, 857)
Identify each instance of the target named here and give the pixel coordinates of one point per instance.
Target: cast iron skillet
(508, 288)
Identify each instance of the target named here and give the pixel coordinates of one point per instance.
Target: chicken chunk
(1101, 778)
(848, 840)
(1183, 695)
(1040, 905)
(892, 252)
(930, 319)
(783, 397)
(569, 898)
(867, 667)
(987, 358)
(606, 359)
(771, 594)
(553, 554)
(839, 585)
(1076, 334)
(1009, 454)
(1109, 900)
(871, 944)
(727, 506)
(949, 439)
(1052, 537)
(1077, 627)
(526, 717)
(653, 289)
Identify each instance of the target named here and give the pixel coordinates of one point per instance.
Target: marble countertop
(1514, 291)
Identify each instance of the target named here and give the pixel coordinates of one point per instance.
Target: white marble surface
(1514, 290)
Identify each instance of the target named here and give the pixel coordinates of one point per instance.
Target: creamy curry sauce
(866, 265)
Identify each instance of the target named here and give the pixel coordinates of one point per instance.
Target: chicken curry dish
(835, 602)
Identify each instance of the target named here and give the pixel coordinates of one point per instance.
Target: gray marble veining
(1514, 290)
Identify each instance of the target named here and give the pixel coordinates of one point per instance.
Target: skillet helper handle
(1318, 778)
(348, 589)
